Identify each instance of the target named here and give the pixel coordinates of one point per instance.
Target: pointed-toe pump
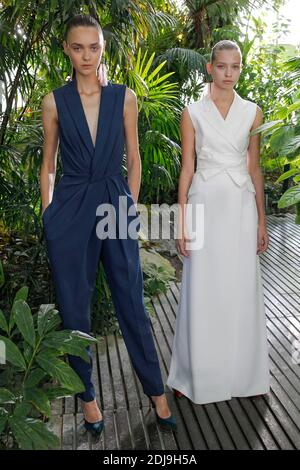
(178, 394)
(168, 423)
(94, 428)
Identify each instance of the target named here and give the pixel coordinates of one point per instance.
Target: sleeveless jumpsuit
(92, 176)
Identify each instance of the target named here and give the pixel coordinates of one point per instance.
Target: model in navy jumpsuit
(91, 176)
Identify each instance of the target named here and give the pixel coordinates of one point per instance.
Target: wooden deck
(271, 422)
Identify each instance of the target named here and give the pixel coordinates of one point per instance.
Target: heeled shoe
(178, 394)
(94, 428)
(169, 423)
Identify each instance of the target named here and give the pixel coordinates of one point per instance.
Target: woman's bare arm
(187, 132)
(258, 181)
(133, 157)
(50, 147)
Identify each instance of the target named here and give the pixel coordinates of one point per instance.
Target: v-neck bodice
(85, 116)
(90, 173)
(230, 109)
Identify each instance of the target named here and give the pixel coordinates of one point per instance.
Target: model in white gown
(220, 345)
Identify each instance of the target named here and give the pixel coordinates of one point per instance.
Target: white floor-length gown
(220, 346)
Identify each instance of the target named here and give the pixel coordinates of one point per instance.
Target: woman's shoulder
(247, 102)
(250, 108)
(193, 104)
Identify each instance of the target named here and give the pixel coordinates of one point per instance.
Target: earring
(102, 73)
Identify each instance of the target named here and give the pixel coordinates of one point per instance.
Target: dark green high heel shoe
(94, 428)
(168, 423)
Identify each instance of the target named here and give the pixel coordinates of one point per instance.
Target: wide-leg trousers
(74, 262)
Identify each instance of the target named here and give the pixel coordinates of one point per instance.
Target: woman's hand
(262, 239)
(181, 244)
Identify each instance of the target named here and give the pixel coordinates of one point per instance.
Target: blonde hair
(225, 44)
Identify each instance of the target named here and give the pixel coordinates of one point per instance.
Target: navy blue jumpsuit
(92, 176)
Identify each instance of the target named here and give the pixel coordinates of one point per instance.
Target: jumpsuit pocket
(46, 211)
(129, 196)
(134, 215)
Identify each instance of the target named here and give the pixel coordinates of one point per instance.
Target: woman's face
(84, 46)
(225, 69)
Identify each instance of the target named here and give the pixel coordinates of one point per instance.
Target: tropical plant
(283, 133)
(33, 372)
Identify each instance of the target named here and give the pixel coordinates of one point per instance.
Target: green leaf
(32, 434)
(39, 399)
(70, 342)
(2, 277)
(280, 137)
(291, 146)
(13, 354)
(27, 352)
(57, 392)
(290, 197)
(293, 107)
(287, 174)
(60, 370)
(267, 126)
(22, 294)
(3, 419)
(34, 377)
(24, 321)
(3, 322)
(48, 319)
(6, 396)
(22, 409)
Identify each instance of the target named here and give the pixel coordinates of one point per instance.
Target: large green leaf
(24, 321)
(3, 419)
(2, 277)
(48, 319)
(290, 197)
(288, 174)
(3, 322)
(268, 126)
(21, 294)
(34, 377)
(57, 392)
(70, 342)
(291, 146)
(60, 370)
(39, 399)
(13, 354)
(294, 107)
(6, 396)
(22, 409)
(32, 434)
(281, 137)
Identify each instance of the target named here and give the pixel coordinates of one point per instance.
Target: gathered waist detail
(89, 178)
(211, 163)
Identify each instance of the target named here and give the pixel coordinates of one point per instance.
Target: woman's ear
(208, 67)
(66, 49)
